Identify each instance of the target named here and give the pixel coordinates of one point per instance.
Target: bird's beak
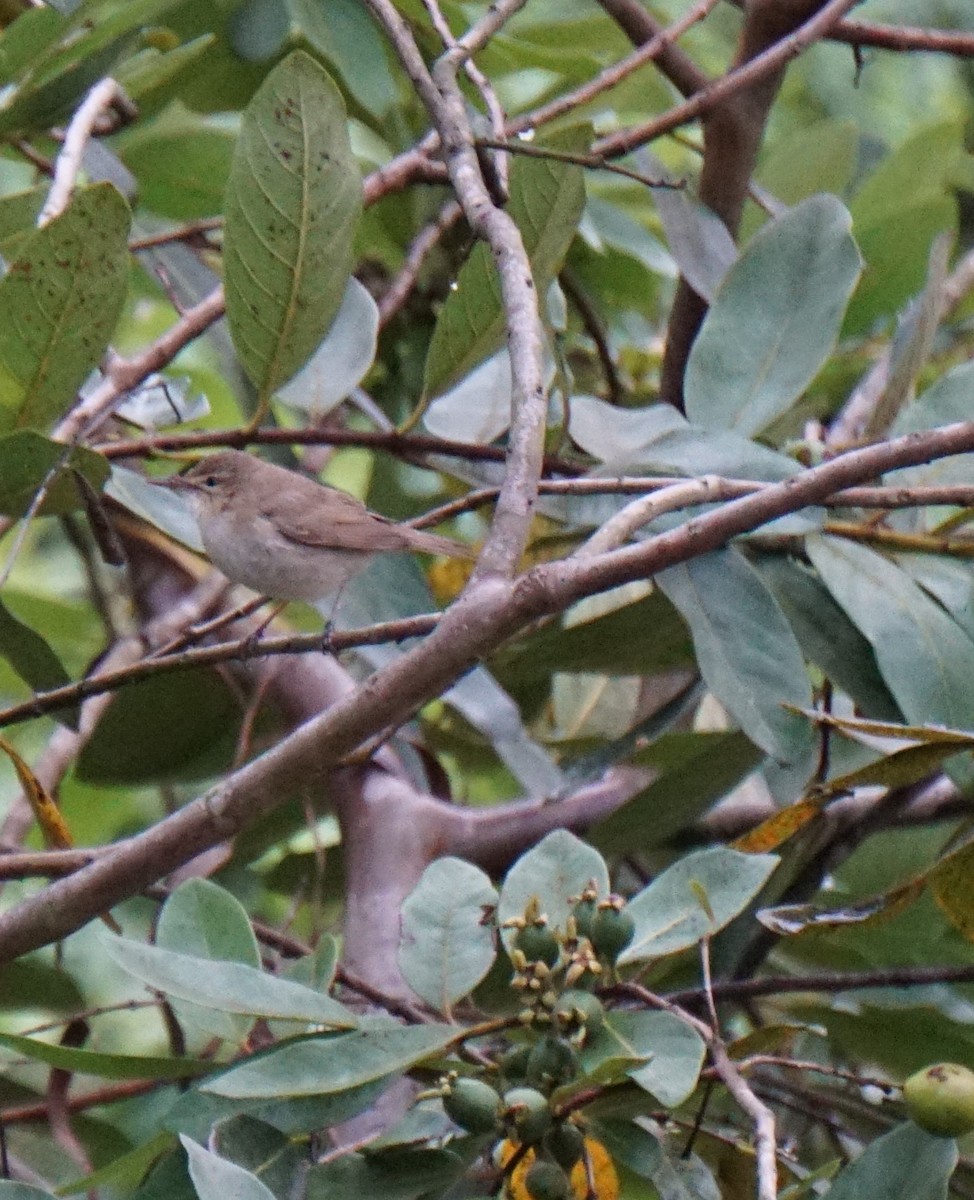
(176, 483)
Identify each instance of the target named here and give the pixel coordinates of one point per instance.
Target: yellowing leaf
(604, 1177)
(952, 884)
(57, 836)
(778, 828)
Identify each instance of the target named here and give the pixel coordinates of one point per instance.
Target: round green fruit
(527, 1115)
(613, 928)
(538, 944)
(546, 1181)
(474, 1105)
(513, 1063)
(940, 1099)
(584, 913)
(565, 1143)
(551, 1063)
(577, 1009)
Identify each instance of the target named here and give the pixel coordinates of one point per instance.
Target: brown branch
(404, 445)
(423, 244)
(837, 981)
(733, 130)
(490, 611)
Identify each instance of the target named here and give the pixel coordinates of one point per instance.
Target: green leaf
(18, 219)
(317, 1066)
(182, 167)
(558, 868)
(904, 1164)
(217, 1178)
(293, 202)
(673, 1052)
(547, 198)
(26, 460)
(393, 1175)
(22, 1191)
(124, 1173)
(346, 36)
(827, 636)
(33, 659)
(107, 1066)
(203, 919)
(925, 658)
(50, 63)
(227, 986)
(706, 767)
(668, 914)
(774, 320)
(647, 635)
(163, 727)
(745, 648)
(447, 945)
(59, 304)
(278, 1161)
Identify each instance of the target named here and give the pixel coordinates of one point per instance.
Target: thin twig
(760, 67)
(102, 97)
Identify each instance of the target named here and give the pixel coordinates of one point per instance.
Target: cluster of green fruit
(554, 970)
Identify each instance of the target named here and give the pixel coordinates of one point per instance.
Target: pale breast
(251, 552)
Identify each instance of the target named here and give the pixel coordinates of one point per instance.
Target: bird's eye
(210, 481)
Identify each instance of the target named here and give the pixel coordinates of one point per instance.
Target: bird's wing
(338, 522)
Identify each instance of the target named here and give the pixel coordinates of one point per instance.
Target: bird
(287, 536)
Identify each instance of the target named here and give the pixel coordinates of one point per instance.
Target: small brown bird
(285, 535)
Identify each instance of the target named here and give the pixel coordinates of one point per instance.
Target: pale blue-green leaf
(315, 970)
(342, 360)
(944, 402)
(547, 198)
(478, 408)
(606, 224)
(658, 438)
(697, 238)
(312, 1067)
(826, 635)
(391, 1175)
(446, 945)
(162, 402)
(166, 510)
(293, 203)
(392, 587)
(59, 303)
(257, 29)
(278, 1161)
(22, 1191)
(107, 1066)
(774, 319)
(685, 1178)
(684, 786)
(558, 868)
(343, 32)
(673, 1052)
(202, 919)
(227, 986)
(924, 656)
(217, 1178)
(904, 1164)
(669, 915)
(948, 580)
(745, 648)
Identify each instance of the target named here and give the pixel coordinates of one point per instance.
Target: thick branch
(488, 613)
